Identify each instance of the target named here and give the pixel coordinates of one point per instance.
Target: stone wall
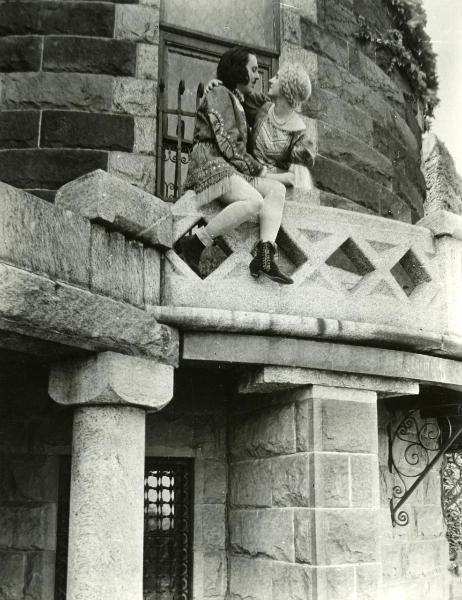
(33, 433)
(270, 485)
(77, 92)
(368, 123)
(415, 557)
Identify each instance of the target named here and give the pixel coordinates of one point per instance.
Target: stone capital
(278, 379)
(110, 378)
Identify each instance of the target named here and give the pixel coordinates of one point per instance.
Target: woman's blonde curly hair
(294, 84)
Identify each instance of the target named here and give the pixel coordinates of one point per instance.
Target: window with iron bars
(187, 62)
(168, 529)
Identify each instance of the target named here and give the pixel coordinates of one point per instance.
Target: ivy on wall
(452, 506)
(409, 48)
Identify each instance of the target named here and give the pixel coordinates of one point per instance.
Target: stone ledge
(271, 379)
(39, 307)
(110, 200)
(242, 349)
(443, 223)
(296, 326)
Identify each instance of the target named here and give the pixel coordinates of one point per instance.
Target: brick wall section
(368, 123)
(194, 424)
(303, 499)
(77, 92)
(415, 557)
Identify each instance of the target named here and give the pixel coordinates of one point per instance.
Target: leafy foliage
(452, 506)
(409, 48)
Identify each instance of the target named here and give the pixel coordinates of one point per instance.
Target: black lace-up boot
(191, 250)
(264, 264)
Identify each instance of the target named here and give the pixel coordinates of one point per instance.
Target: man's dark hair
(231, 69)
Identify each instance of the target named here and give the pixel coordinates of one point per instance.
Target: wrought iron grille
(175, 151)
(168, 503)
(425, 434)
(168, 527)
(413, 450)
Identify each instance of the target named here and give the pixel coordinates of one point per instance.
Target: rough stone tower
(78, 92)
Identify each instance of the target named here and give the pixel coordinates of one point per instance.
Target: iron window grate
(168, 528)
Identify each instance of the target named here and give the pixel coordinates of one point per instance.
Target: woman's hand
(212, 84)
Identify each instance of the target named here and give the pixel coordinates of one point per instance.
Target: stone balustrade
(379, 279)
(357, 277)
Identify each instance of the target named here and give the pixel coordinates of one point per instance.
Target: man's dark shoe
(264, 264)
(191, 250)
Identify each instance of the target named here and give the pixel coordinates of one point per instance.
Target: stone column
(111, 394)
(304, 500)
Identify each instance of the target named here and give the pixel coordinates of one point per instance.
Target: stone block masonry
(356, 99)
(20, 53)
(28, 508)
(87, 130)
(303, 494)
(78, 91)
(19, 129)
(45, 18)
(82, 55)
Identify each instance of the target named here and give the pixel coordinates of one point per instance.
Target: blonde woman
(279, 139)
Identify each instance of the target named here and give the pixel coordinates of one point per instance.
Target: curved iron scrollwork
(170, 155)
(412, 449)
(415, 447)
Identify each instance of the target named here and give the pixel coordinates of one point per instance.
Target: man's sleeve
(220, 113)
